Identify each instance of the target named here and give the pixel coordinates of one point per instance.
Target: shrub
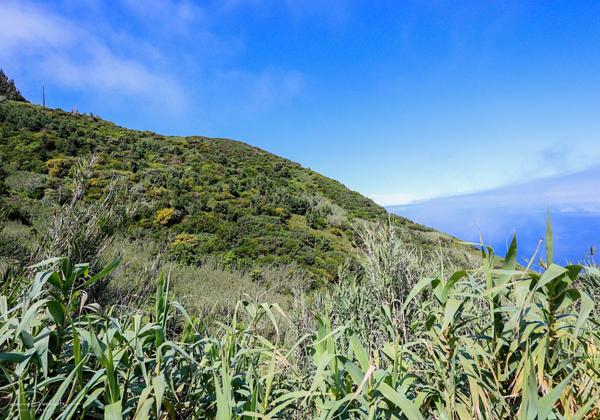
(8, 90)
(59, 166)
(29, 184)
(165, 217)
(185, 249)
(256, 275)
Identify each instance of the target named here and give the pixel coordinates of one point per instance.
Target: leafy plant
(499, 341)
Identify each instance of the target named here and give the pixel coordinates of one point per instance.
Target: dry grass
(207, 289)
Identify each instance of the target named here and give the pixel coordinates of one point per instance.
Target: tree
(8, 88)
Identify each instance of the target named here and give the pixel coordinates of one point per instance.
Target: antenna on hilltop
(43, 96)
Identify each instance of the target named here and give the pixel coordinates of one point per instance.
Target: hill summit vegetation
(8, 89)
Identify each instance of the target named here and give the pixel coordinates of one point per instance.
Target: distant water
(575, 233)
(573, 201)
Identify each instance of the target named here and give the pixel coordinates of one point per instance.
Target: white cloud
(142, 60)
(106, 72)
(25, 28)
(393, 199)
(74, 57)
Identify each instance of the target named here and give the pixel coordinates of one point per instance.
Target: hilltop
(197, 196)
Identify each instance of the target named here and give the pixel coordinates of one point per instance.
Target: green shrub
(58, 166)
(186, 249)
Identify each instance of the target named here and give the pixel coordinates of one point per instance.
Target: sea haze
(496, 215)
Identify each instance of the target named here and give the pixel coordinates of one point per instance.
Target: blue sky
(400, 100)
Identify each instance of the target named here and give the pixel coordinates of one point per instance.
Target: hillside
(197, 196)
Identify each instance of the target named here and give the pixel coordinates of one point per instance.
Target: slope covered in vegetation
(195, 196)
(478, 344)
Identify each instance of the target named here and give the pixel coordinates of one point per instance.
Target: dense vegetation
(194, 196)
(504, 342)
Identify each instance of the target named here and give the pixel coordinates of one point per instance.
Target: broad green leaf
(46, 263)
(56, 400)
(454, 278)
(417, 288)
(25, 413)
(106, 271)
(586, 307)
(509, 264)
(450, 310)
(545, 405)
(113, 411)
(29, 316)
(359, 352)
(408, 408)
(57, 310)
(158, 384)
(553, 272)
(12, 357)
(72, 407)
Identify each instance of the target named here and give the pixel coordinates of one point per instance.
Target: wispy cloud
(496, 215)
(75, 57)
(26, 29)
(579, 190)
(160, 54)
(106, 72)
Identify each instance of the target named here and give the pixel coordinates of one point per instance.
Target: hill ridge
(202, 196)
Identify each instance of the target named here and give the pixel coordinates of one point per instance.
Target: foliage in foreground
(497, 342)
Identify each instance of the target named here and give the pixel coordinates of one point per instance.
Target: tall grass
(207, 289)
(498, 341)
(81, 230)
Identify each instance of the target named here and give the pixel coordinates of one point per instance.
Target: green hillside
(196, 196)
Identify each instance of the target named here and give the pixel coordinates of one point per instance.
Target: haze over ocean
(573, 201)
